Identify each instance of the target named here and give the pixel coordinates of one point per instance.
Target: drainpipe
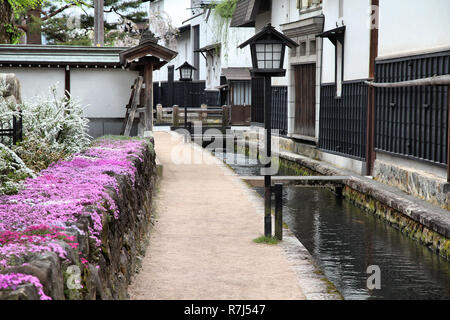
(370, 134)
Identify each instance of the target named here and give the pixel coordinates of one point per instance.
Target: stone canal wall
(418, 183)
(421, 221)
(91, 251)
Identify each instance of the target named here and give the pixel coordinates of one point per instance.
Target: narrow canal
(344, 240)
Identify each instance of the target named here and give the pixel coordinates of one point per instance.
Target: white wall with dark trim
(37, 81)
(410, 26)
(356, 17)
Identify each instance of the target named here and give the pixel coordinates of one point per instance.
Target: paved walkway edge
(312, 281)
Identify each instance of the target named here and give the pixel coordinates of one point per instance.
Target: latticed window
(269, 55)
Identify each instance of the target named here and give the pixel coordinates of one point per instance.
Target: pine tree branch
(69, 5)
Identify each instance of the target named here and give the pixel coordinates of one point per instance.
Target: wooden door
(305, 99)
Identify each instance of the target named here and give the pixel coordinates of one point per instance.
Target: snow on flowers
(34, 219)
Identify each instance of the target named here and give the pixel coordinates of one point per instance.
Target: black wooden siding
(342, 128)
(212, 98)
(258, 100)
(412, 121)
(279, 105)
(279, 109)
(195, 90)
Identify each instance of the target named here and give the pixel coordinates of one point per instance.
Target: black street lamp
(186, 71)
(267, 48)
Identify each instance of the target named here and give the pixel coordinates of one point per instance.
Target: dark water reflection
(344, 240)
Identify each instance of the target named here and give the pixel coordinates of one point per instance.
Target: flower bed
(36, 219)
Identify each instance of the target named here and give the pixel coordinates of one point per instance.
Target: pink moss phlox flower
(13, 280)
(32, 220)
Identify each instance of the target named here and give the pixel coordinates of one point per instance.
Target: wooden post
(133, 107)
(225, 115)
(268, 150)
(159, 113)
(370, 133)
(175, 116)
(170, 85)
(148, 79)
(67, 81)
(99, 24)
(278, 190)
(203, 115)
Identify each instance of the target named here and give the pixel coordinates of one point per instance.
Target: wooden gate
(240, 115)
(305, 99)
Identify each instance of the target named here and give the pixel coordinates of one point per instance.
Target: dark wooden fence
(412, 121)
(212, 98)
(279, 109)
(279, 105)
(168, 94)
(342, 127)
(11, 131)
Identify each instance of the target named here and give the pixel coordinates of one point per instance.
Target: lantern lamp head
(267, 48)
(186, 71)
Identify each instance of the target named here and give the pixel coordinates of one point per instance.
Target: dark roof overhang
(147, 49)
(269, 30)
(236, 74)
(184, 28)
(245, 13)
(59, 56)
(334, 35)
(209, 47)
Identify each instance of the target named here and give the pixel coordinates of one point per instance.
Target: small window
(303, 48)
(312, 47)
(293, 52)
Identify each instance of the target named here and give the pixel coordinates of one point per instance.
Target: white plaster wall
(37, 81)
(177, 10)
(104, 92)
(357, 39)
(230, 55)
(184, 54)
(233, 56)
(413, 25)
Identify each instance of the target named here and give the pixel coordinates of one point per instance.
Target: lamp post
(267, 49)
(186, 71)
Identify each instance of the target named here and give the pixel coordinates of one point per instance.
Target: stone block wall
(415, 182)
(104, 271)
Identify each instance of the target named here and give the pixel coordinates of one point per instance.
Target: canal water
(344, 240)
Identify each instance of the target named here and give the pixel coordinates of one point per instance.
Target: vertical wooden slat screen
(305, 99)
(413, 121)
(195, 97)
(342, 128)
(279, 105)
(279, 109)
